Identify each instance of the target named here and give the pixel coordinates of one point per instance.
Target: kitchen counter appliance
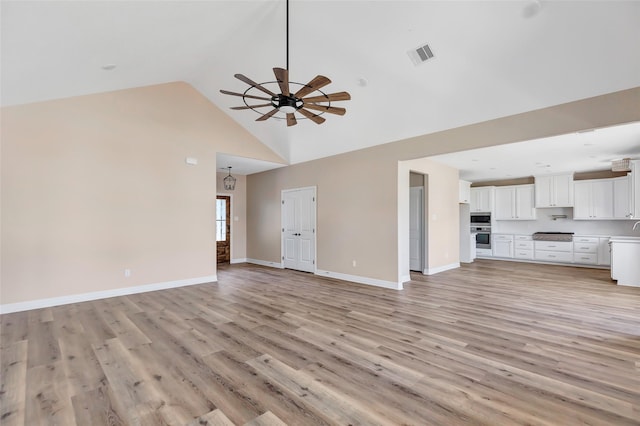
(553, 236)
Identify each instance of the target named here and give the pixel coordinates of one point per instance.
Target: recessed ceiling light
(108, 67)
(362, 82)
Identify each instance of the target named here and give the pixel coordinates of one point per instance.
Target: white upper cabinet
(604, 199)
(482, 199)
(622, 198)
(515, 203)
(593, 199)
(635, 188)
(554, 191)
(464, 194)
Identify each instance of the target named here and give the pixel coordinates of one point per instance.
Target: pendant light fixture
(229, 181)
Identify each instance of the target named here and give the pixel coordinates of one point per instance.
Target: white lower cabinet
(554, 251)
(523, 247)
(604, 251)
(503, 245)
(585, 250)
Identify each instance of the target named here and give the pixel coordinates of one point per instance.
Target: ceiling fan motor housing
(287, 104)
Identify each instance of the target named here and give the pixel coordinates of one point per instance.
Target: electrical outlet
(353, 263)
(127, 273)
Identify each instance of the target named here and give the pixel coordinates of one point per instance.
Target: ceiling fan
(289, 101)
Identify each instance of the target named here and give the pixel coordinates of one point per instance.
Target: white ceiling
(492, 58)
(575, 152)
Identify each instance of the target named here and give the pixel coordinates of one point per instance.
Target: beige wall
(441, 215)
(238, 215)
(95, 184)
(358, 192)
(356, 210)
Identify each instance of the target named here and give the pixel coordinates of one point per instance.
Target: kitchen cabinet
(523, 247)
(553, 251)
(482, 199)
(464, 192)
(622, 205)
(585, 250)
(635, 188)
(604, 251)
(515, 202)
(502, 245)
(593, 199)
(554, 191)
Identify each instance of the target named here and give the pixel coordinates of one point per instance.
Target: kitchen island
(625, 260)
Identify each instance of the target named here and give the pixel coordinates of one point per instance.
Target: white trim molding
(278, 265)
(95, 295)
(239, 261)
(432, 271)
(405, 278)
(360, 280)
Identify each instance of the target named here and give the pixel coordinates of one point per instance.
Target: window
(221, 220)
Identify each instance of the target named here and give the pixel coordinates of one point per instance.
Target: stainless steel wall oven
(481, 225)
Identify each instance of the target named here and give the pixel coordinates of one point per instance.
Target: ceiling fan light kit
(286, 102)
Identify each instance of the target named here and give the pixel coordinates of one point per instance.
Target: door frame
(226, 194)
(315, 225)
(422, 226)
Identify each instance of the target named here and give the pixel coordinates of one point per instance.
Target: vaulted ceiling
(492, 58)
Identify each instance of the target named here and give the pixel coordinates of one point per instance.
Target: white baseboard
(405, 278)
(266, 263)
(238, 261)
(360, 280)
(437, 269)
(95, 295)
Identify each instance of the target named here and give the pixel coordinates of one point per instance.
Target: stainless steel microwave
(481, 219)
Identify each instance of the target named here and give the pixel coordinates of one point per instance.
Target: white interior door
(416, 219)
(299, 229)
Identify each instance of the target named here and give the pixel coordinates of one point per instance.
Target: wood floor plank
(266, 419)
(95, 407)
(13, 366)
(213, 418)
(334, 406)
(48, 400)
(490, 343)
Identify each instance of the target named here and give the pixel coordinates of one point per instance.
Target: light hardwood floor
(493, 343)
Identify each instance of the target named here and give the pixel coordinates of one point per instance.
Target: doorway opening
(223, 229)
(417, 225)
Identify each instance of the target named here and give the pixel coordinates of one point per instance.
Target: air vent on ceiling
(420, 54)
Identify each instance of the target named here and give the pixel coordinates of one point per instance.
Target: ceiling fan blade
(311, 116)
(267, 115)
(282, 76)
(253, 106)
(324, 108)
(291, 119)
(340, 96)
(318, 82)
(262, 98)
(254, 84)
